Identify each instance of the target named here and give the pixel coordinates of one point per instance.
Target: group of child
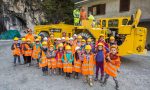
(71, 56)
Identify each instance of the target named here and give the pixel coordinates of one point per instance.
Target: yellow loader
(130, 38)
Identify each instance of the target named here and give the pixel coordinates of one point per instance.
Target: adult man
(76, 14)
(29, 35)
(83, 14)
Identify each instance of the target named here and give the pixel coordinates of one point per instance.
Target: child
(59, 55)
(112, 41)
(102, 40)
(28, 51)
(100, 56)
(36, 51)
(58, 41)
(22, 49)
(72, 45)
(67, 61)
(83, 44)
(77, 62)
(16, 51)
(63, 40)
(52, 64)
(88, 65)
(67, 42)
(43, 59)
(79, 39)
(74, 39)
(89, 42)
(112, 65)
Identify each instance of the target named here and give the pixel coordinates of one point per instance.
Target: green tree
(58, 11)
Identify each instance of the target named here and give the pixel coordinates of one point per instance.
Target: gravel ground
(135, 75)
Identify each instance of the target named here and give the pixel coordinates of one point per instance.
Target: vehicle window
(113, 23)
(124, 21)
(104, 23)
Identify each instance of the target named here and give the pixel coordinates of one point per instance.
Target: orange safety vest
(30, 36)
(22, 48)
(59, 61)
(75, 42)
(28, 52)
(83, 15)
(35, 52)
(49, 63)
(67, 67)
(43, 62)
(52, 63)
(88, 66)
(77, 65)
(73, 49)
(112, 66)
(16, 50)
(50, 42)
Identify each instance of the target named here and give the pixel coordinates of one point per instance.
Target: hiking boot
(90, 82)
(15, 64)
(44, 73)
(95, 79)
(101, 80)
(117, 87)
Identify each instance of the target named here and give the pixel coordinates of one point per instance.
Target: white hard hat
(58, 38)
(45, 39)
(63, 38)
(75, 35)
(77, 48)
(70, 38)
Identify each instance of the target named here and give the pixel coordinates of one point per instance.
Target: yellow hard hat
(44, 43)
(37, 39)
(79, 37)
(88, 47)
(29, 40)
(114, 46)
(51, 35)
(60, 45)
(23, 39)
(112, 38)
(16, 39)
(83, 40)
(89, 40)
(102, 35)
(67, 39)
(100, 44)
(51, 45)
(68, 47)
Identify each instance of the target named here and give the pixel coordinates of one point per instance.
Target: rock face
(21, 14)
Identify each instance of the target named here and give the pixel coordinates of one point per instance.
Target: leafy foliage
(58, 10)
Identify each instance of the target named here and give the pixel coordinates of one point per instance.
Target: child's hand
(108, 59)
(118, 71)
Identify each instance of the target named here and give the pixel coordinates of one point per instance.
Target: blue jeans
(15, 59)
(45, 68)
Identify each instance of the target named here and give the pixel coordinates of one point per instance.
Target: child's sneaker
(96, 79)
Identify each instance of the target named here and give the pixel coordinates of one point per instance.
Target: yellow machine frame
(114, 22)
(133, 37)
(57, 29)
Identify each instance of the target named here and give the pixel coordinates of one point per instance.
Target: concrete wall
(113, 6)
